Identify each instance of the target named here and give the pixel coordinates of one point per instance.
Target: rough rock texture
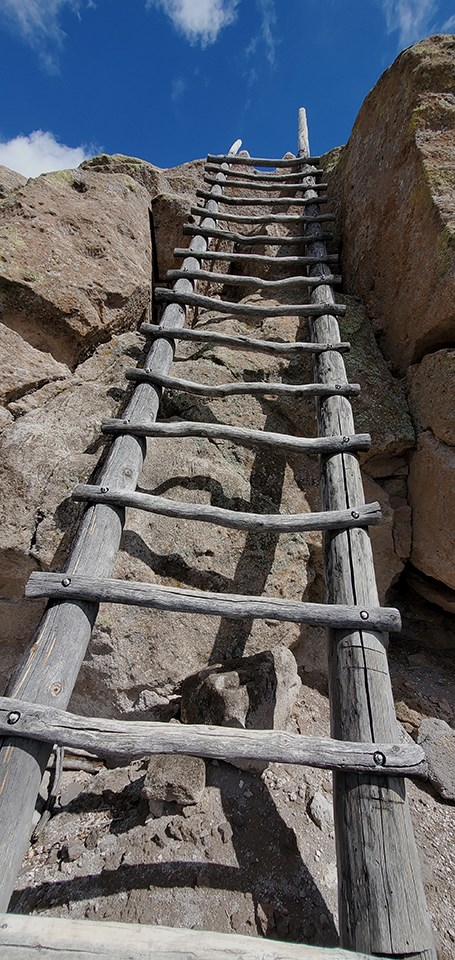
(256, 693)
(75, 264)
(9, 180)
(394, 192)
(174, 779)
(432, 393)
(438, 741)
(172, 191)
(396, 181)
(431, 489)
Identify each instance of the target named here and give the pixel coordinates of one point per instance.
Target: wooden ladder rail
(50, 666)
(382, 906)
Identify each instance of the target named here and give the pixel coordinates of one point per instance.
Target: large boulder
(431, 487)
(10, 180)
(432, 394)
(75, 264)
(396, 185)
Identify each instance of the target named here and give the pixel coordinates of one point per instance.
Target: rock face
(255, 692)
(438, 741)
(397, 193)
(75, 260)
(395, 189)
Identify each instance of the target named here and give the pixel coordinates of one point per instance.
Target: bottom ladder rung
(25, 938)
(128, 740)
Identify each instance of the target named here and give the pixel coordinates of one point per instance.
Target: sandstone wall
(394, 185)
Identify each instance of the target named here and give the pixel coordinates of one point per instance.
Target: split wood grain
(242, 388)
(215, 232)
(246, 281)
(46, 938)
(262, 161)
(240, 435)
(208, 603)
(365, 515)
(262, 201)
(300, 218)
(235, 308)
(237, 257)
(130, 740)
(240, 342)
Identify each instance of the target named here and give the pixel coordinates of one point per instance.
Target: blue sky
(170, 80)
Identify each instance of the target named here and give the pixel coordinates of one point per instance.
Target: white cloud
(410, 18)
(199, 20)
(38, 23)
(39, 153)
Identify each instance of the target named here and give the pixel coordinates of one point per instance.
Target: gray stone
(256, 692)
(438, 742)
(174, 779)
(251, 692)
(321, 811)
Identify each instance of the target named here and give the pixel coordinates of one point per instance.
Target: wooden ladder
(382, 907)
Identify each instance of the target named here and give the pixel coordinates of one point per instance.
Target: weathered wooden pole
(382, 907)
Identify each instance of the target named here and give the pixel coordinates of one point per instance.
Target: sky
(172, 80)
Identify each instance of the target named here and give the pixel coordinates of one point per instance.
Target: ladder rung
(262, 161)
(64, 586)
(255, 184)
(264, 218)
(163, 295)
(254, 257)
(131, 739)
(240, 342)
(261, 201)
(259, 175)
(368, 514)
(232, 279)
(241, 435)
(239, 388)
(52, 937)
(201, 231)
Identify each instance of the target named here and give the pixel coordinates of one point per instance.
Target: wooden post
(50, 666)
(382, 907)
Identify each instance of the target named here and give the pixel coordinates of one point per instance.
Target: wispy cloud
(178, 88)
(448, 26)
(200, 21)
(38, 23)
(412, 19)
(40, 152)
(268, 23)
(264, 40)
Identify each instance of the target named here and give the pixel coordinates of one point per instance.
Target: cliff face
(394, 184)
